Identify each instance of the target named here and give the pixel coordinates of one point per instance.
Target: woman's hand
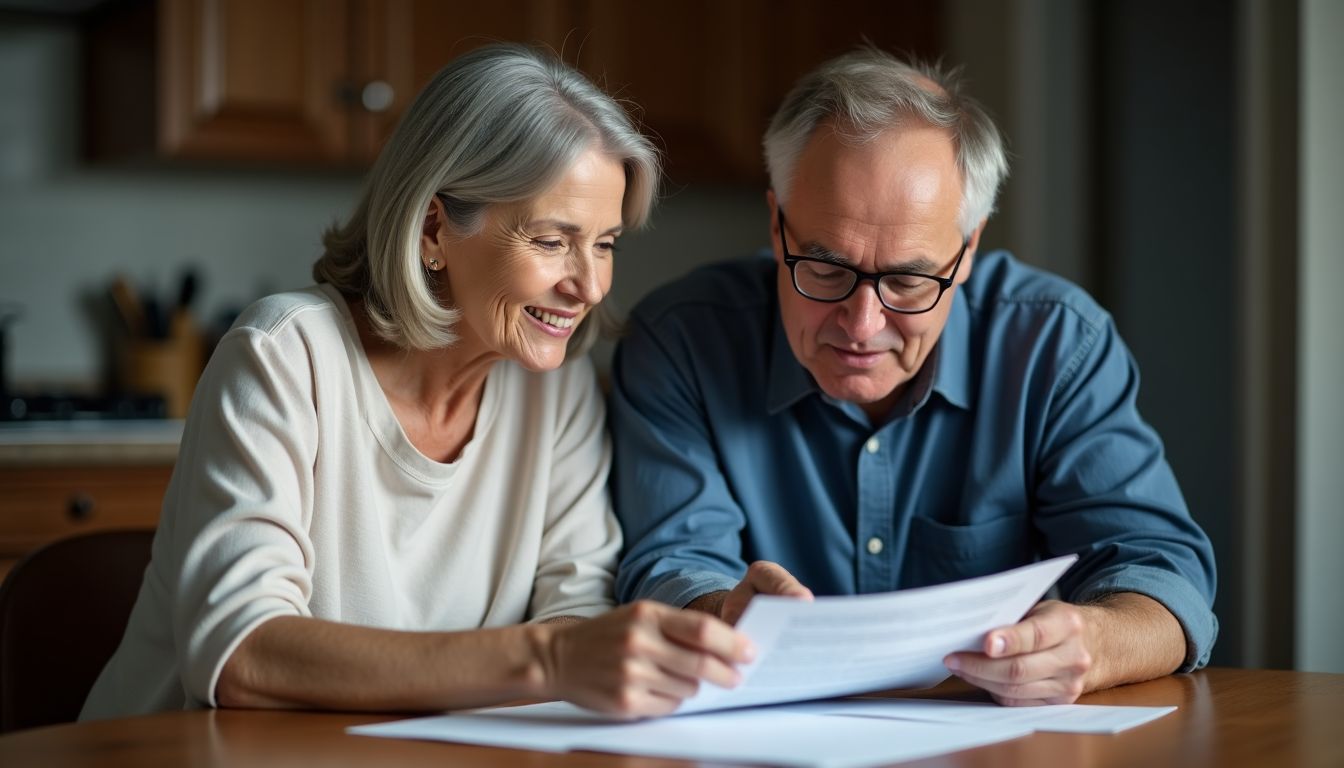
(642, 659)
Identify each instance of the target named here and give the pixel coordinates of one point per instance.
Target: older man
(881, 406)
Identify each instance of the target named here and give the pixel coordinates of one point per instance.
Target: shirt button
(874, 546)
(872, 445)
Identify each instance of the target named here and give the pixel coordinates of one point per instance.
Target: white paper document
(836, 646)
(758, 736)
(1060, 718)
(832, 646)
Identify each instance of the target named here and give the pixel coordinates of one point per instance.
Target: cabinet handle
(80, 508)
(377, 96)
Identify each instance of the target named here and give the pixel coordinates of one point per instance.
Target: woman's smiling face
(535, 269)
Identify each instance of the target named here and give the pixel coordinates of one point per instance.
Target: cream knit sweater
(296, 493)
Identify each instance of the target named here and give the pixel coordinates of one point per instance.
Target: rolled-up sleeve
(240, 503)
(1105, 491)
(682, 525)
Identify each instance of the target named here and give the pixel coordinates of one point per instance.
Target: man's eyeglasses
(907, 292)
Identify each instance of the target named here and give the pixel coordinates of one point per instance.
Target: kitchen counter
(91, 442)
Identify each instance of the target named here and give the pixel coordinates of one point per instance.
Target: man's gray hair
(868, 91)
(500, 124)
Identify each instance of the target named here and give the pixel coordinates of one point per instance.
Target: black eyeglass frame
(860, 276)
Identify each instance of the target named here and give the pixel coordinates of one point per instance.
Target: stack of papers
(1061, 718)
(852, 733)
(833, 646)
(773, 736)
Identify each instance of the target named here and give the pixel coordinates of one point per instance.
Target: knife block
(169, 367)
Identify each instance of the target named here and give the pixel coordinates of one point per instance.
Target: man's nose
(862, 315)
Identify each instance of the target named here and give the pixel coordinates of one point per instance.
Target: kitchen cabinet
(278, 83)
(59, 479)
(43, 504)
(220, 81)
(254, 79)
(323, 82)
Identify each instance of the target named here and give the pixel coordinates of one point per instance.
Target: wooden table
(1227, 717)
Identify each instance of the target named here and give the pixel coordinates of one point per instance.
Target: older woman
(383, 475)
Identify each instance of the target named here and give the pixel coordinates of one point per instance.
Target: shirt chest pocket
(941, 552)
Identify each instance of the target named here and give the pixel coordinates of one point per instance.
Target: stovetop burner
(81, 407)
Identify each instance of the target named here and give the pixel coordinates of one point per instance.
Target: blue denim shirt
(1018, 440)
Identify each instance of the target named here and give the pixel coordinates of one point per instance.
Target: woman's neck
(435, 394)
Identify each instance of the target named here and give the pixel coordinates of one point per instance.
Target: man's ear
(972, 245)
(773, 205)
(975, 238)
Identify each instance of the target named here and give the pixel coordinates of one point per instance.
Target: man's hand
(763, 578)
(1060, 651)
(1043, 659)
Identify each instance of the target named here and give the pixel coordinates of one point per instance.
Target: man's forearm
(1131, 638)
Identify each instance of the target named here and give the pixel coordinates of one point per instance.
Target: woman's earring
(434, 265)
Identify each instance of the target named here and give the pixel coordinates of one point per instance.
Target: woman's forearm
(291, 662)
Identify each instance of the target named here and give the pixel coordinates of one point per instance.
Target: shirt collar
(790, 381)
(952, 377)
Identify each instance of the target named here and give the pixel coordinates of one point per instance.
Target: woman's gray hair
(868, 91)
(500, 124)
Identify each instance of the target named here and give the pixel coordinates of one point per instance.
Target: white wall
(1320, 532)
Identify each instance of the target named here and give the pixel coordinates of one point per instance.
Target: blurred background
(164, 163)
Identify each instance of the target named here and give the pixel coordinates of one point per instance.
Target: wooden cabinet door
(398, 46)
(692, 68)
(254, 80)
